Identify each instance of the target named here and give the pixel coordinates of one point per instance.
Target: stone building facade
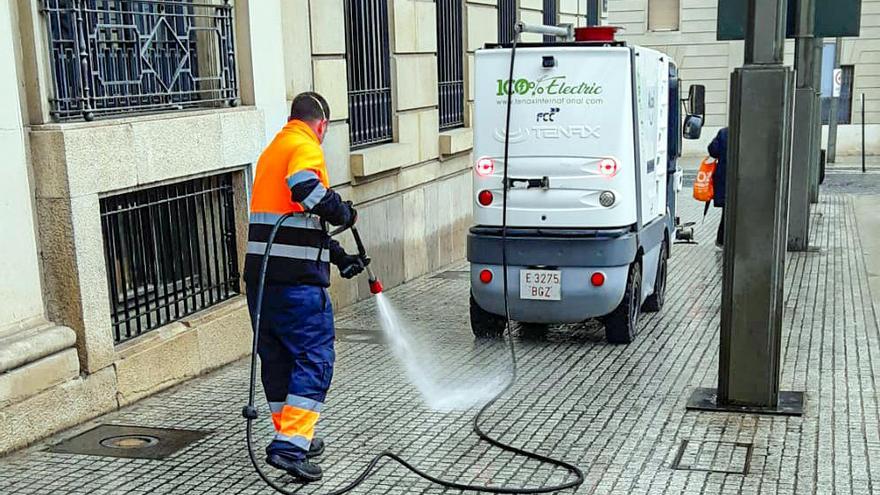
(130, 130)
(685, 29)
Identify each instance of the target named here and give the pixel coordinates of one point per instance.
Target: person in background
(718, 151)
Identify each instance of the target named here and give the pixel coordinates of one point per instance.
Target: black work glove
(352, 214)
(350, 266)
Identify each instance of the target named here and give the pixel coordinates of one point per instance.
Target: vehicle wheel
(654, 302)
(484, 324)
(620, 325)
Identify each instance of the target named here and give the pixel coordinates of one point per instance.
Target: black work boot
(301, 469)
(316, 449)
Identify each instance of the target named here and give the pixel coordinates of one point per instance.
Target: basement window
(170, 251)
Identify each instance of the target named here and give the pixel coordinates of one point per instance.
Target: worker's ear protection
(324, 119)
(320, 106)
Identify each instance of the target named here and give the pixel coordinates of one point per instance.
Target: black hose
(250, 413)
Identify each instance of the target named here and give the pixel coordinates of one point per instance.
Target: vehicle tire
(484, 324)
(654, 302)
(620, 325)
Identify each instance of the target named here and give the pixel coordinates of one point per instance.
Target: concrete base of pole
(706, 399)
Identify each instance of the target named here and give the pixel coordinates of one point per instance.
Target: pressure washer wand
(375, 283)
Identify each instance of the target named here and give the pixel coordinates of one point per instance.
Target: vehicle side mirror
(693, 127)
(697, 100)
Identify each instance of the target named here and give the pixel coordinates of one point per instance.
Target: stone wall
(704, 60)
(20, 291)
(59, 365)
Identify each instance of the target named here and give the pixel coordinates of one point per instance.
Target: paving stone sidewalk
(617, 411)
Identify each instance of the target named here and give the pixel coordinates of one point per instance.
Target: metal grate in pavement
(132, 442)
(713, 457)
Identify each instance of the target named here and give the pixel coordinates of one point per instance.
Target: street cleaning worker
(296, 335)
(718, 151)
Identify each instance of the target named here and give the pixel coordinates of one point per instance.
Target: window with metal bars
(506, 20)
(120, 57)
(450, 66)
(551, 17)
(369, 72)
(170, 251)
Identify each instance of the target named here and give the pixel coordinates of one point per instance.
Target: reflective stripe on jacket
(291, 176)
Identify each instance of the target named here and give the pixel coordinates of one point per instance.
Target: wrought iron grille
(450, 66)
(506, 20)
(170, 251)
(550, 17)
(113, 57)
(369, 72)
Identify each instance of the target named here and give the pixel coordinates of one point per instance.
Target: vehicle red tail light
(485, 276)
(608, 167)
(597, 279)
(485, 198)
(485, 167)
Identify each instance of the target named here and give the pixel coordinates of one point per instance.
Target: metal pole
(802, 148)
(593, 7)
(816, 122)
(755, 225)
(803, 130)
(566, 32)
(832, 114)
(863, 133)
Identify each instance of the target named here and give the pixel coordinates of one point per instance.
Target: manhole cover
(130, 442)
(713, 457)
(454, 275)
(135, 442)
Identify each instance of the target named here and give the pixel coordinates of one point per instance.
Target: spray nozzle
(375, 283)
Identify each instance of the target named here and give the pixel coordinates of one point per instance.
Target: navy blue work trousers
(296, 358)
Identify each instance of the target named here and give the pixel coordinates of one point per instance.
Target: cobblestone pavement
(617, 411)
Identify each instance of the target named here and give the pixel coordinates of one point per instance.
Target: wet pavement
(616, 411)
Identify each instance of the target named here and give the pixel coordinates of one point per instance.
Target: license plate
(543, 285)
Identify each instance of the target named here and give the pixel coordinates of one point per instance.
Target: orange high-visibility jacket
(291, 176)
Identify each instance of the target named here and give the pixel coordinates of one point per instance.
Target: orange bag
(704, 190)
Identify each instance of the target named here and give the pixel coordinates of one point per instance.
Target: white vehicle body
(591, 175)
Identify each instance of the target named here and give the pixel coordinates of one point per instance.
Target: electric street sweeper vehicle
(594, 137)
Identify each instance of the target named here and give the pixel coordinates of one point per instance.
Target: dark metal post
(755, 221)
(593, 8)
(816, 135)
(804, 139)
(832, 114)
(863, 134)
